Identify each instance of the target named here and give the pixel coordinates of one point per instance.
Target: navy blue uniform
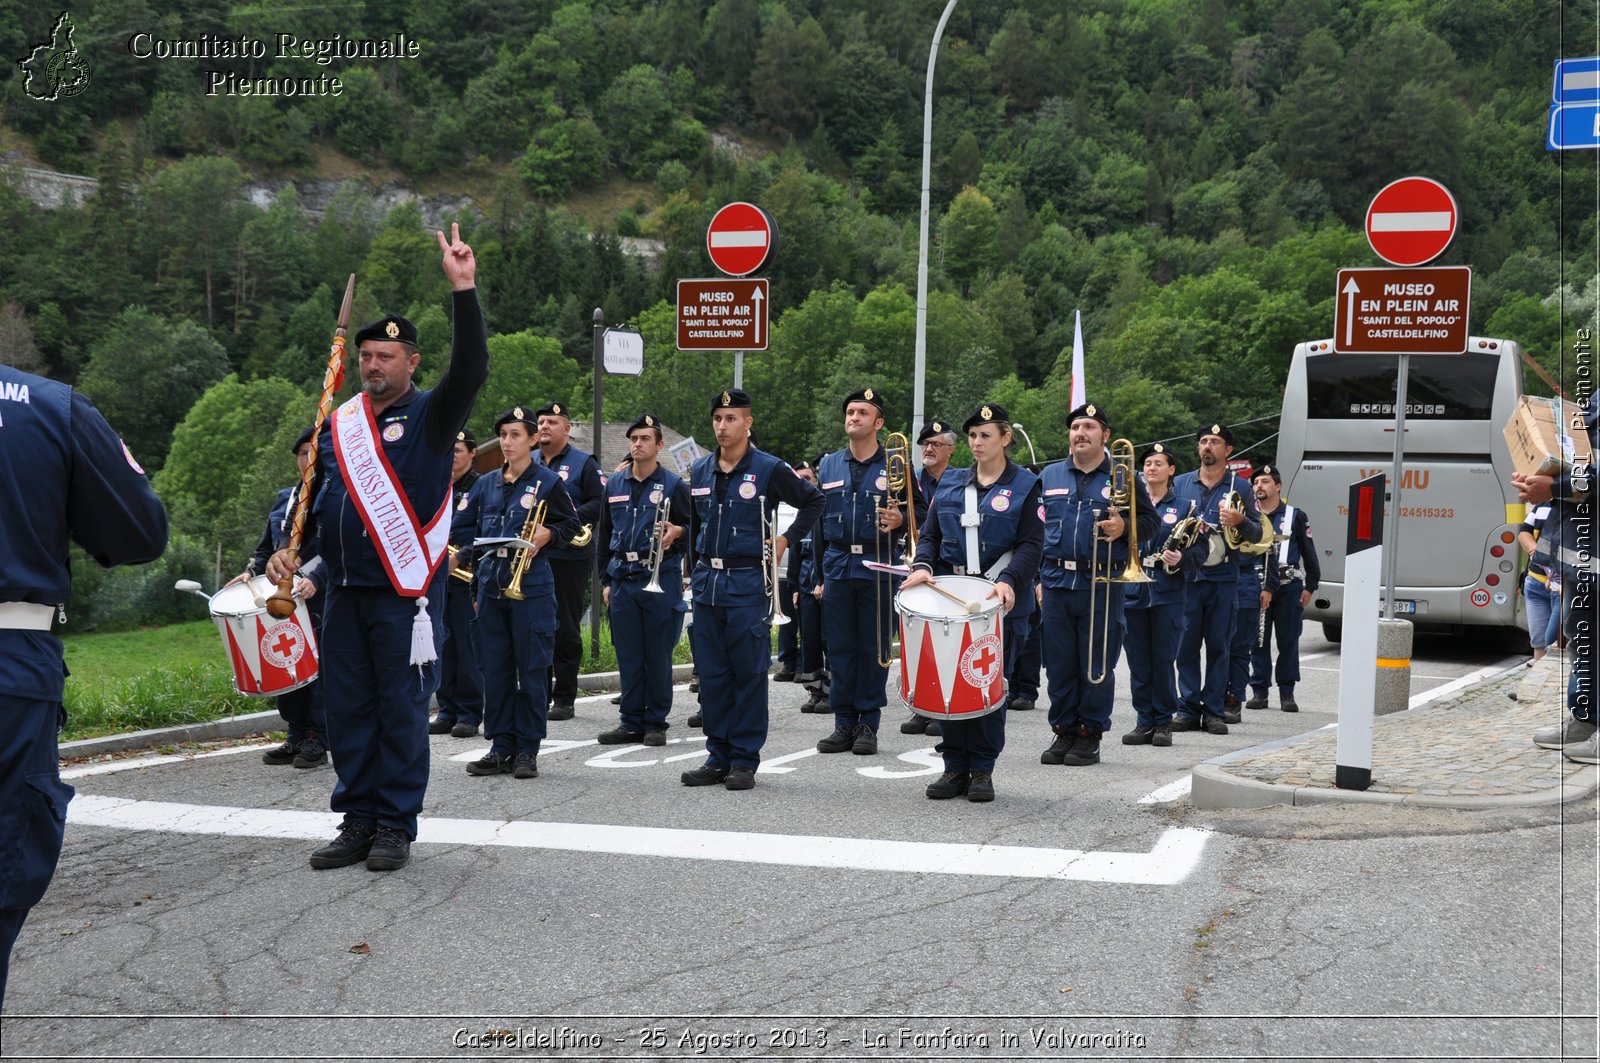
(808, 577)
(1074, 501)
(1210, 599)
(732, 647)
(645, 626)
(514, 638)
(1285, 578)
(377, 701)
(301, 708)
(1247, 614)
(572, 566)
(64, 474)
(857, 602)
(1152, 620)
(1008, 523)
(460, 677)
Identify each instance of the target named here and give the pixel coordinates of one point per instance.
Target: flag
(1078, 389)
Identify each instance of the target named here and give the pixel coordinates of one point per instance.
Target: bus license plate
(1405, 606)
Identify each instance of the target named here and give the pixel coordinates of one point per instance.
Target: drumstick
(970, 607)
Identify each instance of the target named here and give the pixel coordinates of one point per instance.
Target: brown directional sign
(722, 314)
(1402, 311)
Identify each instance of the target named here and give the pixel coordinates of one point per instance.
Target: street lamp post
(921, 372)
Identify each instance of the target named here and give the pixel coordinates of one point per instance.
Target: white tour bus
(1458, 557)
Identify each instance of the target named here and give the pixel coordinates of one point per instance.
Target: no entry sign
(1412, 221)
(740, 238)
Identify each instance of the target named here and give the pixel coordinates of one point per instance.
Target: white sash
(969, 521)
(410, 553)
(1288, 536)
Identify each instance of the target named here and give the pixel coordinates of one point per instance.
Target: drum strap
(1288, 535)
(993, 572)
(969, 521)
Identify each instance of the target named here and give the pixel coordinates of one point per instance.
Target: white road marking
(932, 764)
(1454, 685)
(111, 766)
(1173, 857)
(774, 766)
(1173, 791)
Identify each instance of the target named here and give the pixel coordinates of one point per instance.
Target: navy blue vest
(999, 513)
(1074, 502)
(729, 527)
(850, 518)
(1168, 586)
(496, 510)
(632, 505)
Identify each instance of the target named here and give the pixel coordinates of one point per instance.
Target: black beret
(1159, 448)
(730, 399)
(466, 436)
(988, 413)
(1091, 411)
(1222, 431)
(931, 429)
(302, 439)
(648, 420)
(870, 395)
(554, 409)
(517, 414)
(393, 328)
(1268, 470)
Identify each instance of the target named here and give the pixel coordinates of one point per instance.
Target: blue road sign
(1573, 126)
(1576, 81)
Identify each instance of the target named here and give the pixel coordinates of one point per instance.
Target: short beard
(375, 387)
(1208, 459)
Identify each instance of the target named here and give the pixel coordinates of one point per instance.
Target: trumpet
(769, 563)
(519, 567)
(898, 479)
(658, 542)
(1123, 485)
(462, 573)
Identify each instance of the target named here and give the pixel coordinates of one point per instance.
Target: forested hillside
(1188, 174)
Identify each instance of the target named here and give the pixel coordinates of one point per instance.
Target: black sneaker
(390, 850)
(1257, 701)
(704, 775)
(694, 720)
(280, 755)
(950, 784)
(1184, 723)
(1139, 736)
(915, 726)
(817, 703)
(785, 676)
(350, 847)
(1022, 703)
(1287, 704)
(842, 739)
(694, 683)
(981, 788)
(1230, 701)
(562, 711)
(1058, 750)
(866, 743)
(933, 729)
(526, 766)
(618, 736)
(491, 763)
(1231, 715)
(440, 725)
(464, 730)
(740, 779)
(617, 700)
(655, 738)
(1085, 750)
(1161, 736)
(310, 753)
(1214, 725)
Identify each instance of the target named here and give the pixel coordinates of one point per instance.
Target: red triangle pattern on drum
(965, 698)
(272, 677)
(929, 693)
(905, 667)
(243, 679)
(997, 692)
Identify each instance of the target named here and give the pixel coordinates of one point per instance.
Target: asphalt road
(604, 910)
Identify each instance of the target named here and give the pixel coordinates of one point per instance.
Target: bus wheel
(1331, 631)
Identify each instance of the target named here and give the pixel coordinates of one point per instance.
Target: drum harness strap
(1285, 573)
(969, 521)
(26, 616)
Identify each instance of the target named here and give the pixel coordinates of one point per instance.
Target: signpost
(715, 314)
(1402, 311)
(1358, 656)
(1411, 221)
(1574, 105)
(623, 352)
(740, 238)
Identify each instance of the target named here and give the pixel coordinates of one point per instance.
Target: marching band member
(645, 623)
(460, 694)
(571, 565)
(937, 441)
(859, 524)
(1210, 598)
(984, 521)
(1079, 520)
(516, 618)
(1246, 615)
(385, 469)
(791, 656)
(1293, 573)
(72, 479)
(301, 708)
(1153, 612)
(735, 491)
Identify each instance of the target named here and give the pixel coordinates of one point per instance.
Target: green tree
(791, 72)
(524, 370)
(967, 238)
(635, 112)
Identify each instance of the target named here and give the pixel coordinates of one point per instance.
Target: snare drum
(952, 663)
(269, 657)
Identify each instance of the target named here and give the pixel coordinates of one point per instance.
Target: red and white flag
(1078, 398)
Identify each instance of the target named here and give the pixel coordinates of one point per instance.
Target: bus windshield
(1351, 386)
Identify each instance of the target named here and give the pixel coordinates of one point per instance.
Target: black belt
(723, 563)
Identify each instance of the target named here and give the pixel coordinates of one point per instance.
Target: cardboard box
(1546, 435)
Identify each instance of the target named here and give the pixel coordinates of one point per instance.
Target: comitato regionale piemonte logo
(55, 69)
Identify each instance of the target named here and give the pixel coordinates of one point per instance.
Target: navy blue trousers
(33, 813)
(975, 745)
(856, 625)
(644, 628)
(302, 709)
(1241, 646)
(516, 641)
(812, 658)
(1208, 608)
(460, 678)
(1151, 640)
(788, 634)
(1285, 618)
(732, 650)
(1066, 642)
(377, 703)
(1025, 684)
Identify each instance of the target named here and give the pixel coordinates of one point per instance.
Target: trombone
(658, 543)
(898, 481)
(769, 563)
(1124, 482)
